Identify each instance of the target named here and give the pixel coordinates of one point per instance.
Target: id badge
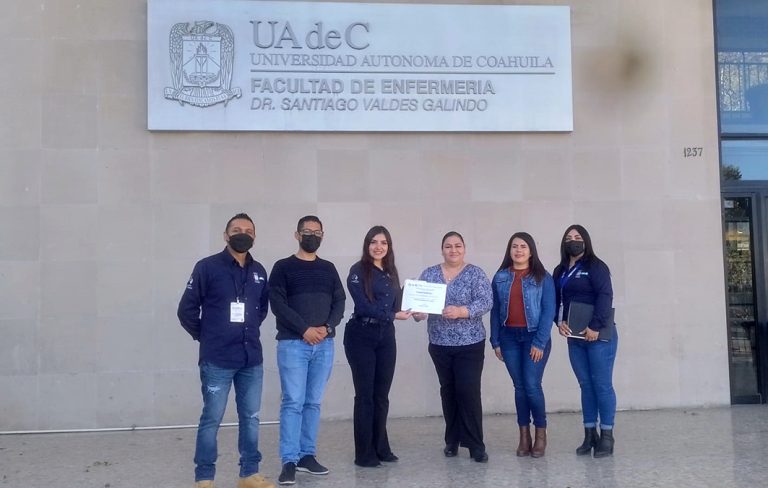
(237, 312)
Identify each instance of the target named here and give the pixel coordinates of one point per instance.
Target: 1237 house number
(692, 152)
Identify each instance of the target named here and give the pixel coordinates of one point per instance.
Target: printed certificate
(421, 296)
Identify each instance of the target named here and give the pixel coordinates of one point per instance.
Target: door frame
(757, 192)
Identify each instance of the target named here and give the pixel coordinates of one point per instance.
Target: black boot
(590, 440)
(605, 446)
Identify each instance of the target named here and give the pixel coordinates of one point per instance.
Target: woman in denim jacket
(521, 324)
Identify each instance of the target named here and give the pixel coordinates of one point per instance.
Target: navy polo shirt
(385, 294)
(204, 309)
(589, 283)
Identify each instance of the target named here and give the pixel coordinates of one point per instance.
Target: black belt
(369, 321)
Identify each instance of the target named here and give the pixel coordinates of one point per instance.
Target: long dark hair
(387, 262)
(589, 252)
(535, 266)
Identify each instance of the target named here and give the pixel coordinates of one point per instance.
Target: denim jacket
(539, 300)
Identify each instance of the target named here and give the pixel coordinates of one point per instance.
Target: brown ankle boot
(540, 444)
(524, 447)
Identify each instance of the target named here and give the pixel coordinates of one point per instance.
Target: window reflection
(742, 61)
(744, 160)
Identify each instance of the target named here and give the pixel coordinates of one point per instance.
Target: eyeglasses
(307, 232)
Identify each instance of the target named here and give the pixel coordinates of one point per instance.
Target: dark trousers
(460, 369)
(371, 351)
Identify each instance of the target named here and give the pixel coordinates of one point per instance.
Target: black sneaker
(308, 464)
(288, 474)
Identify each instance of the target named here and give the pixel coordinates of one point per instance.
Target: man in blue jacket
(223, 306)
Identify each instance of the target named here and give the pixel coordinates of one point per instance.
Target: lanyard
(566, 277)
(240, 290)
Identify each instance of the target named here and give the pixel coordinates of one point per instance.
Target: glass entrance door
(745, 279)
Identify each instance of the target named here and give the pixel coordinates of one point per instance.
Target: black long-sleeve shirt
(305, 294)
(204, 309)
(589, 281)
(385, 293)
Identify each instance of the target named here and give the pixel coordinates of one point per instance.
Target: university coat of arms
(202, 55)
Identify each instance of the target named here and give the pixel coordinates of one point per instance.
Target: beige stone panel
(70, 232)
(251, 143)
(181, 176)
(168, 282)
(695, 268)
(450, 173)
(593, 23)
(398, 162)
(122, 123)
(547, 175)
(395, 141)
(124, 176)
(177, 397)
(126, 399)
(122, 69)
(551, 141)
(338, 141)
(494, 224)
(20, 410)
(20, 177)
(19, 233)
(644, 174)
(22, 123)
(596, 175)
(345, 225)
(602, 220)
(696, 178)
(18, 349)
(21, 19)
(70, 67)
(76, 404)
(291, 172)
(21, 57)
(124, 290)
(180, 231)
(644, 120)
(415, 389)
(178, 141)
(697, 225)
(596, 117)
(69, 176)
(237, 177)
(69, 291)
(69, 345)
(170, 347)
(495, 176)
(680, 63)
(649, 347)
(19, 289)
(501, 146)
(81, 19)
(343, 175)
(693, 122)
(649, 277)
(126, 342)
(689, 24)
(121, 20)
(69, 121)
(644, 225)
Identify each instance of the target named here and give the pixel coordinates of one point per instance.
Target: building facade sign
(293, 66)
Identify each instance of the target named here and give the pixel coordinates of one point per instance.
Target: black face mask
(310, 244)
(240, 242)
(574, 248)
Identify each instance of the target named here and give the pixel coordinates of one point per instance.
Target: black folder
(579, 318)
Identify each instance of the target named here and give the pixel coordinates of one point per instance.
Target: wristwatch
(330, 330)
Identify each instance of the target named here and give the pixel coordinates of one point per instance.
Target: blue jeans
(515, 343)
(215, 385)
(304, 372)
(592, 362)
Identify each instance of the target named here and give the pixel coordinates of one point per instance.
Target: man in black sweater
(307, 299)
